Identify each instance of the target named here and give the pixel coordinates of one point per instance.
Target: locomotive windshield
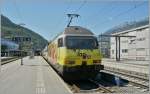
(79, 42)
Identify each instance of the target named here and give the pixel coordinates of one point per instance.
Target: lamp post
(20, 46)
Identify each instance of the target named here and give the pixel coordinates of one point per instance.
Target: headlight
(96, 61)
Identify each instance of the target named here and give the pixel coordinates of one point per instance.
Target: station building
(104, 45)
(133, 48)
(10, 48)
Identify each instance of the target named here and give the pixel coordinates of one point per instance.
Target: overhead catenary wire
(80, 7)
(120, 14)
(60, 21)
(17, 10)
(99, 12)
(61, 18)
(129, 10)
(65, 12)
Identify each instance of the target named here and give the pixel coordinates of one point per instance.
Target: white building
(135, 48)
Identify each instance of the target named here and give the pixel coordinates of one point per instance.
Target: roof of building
(130, 30)
(128, 26)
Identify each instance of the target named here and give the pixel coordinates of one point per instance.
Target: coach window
(60, 42)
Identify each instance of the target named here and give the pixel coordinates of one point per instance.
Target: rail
(100, 88)
(137, 80)
(8, 60)
(128, 73)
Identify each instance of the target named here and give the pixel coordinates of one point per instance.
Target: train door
(60, 44)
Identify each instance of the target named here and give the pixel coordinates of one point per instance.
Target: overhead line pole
(149, 48)
(117, 40)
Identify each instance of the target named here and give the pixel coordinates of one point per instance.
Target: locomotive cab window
(60, 42)
(80, 42)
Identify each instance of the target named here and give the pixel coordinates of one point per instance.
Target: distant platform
(129, 65)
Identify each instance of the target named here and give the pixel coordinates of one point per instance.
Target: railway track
(99, 88)
(8, 60)
(139, 81)
(128, 73)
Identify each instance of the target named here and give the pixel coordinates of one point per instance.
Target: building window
(140, 39)
(112, 43)
(140, 58)
(112, 51)
(125, 41)
(124, 50)
(140, 49)
(132, 41)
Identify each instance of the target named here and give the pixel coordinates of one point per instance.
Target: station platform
(34, 77)
(2, 58)
(129, 65)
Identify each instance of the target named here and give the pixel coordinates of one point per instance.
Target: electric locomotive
(75, 54)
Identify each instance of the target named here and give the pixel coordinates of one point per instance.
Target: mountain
(9, 29)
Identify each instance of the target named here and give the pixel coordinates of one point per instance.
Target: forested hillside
(10, 29)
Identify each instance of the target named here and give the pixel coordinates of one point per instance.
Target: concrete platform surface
(34, 77)
(130, 65)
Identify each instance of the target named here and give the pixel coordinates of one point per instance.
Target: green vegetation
(10, 29)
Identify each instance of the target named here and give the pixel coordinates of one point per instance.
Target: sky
(48, 17)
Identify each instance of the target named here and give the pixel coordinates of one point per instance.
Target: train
(74, 54)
